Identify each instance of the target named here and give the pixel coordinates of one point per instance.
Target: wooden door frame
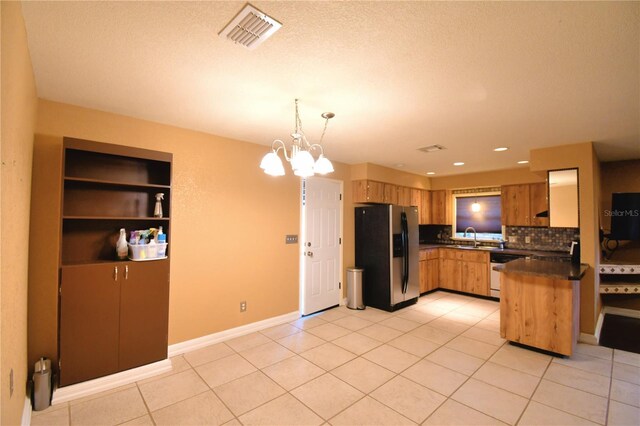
(301, 248)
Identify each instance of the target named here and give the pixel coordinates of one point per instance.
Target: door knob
(310, 253)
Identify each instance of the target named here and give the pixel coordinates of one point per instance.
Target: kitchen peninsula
(540, 303)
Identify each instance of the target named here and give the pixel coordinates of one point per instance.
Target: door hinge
(60, 290)
(59, 364)
(339, 240)
(339, 285)
(340, 197)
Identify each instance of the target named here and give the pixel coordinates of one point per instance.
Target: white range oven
(498, 259)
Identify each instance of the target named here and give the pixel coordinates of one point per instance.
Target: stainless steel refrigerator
(387, 250)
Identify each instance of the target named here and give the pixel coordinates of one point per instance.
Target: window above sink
(480, 211)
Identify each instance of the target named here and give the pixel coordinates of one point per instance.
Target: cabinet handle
(115, 273)
(126, 272)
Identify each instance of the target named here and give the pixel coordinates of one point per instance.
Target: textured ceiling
(398, 75)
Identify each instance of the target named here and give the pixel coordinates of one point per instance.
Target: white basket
(148, 251)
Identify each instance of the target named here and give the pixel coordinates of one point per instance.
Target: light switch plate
(527, 239)
(291, 239)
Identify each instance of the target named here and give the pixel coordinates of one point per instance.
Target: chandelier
(299, 155)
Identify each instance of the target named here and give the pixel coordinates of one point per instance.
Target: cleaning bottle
(121, 245)
(162, 243)
(157, 211)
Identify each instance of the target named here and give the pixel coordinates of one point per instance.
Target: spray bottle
(157, 211)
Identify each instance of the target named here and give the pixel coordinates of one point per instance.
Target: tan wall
(563, 206)
(388, 175)
(229, 221)
(492, 178)
(584, 158)
(19, 103)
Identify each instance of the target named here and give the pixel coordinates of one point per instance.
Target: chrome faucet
(475, 235)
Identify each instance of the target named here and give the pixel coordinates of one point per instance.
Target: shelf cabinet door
(515, 205)
(450, 270)
(433, 274)
(404, 196)
(425, 217)
(390, 194)
(441, 207)
(144, 313)
(368, 191)
(89, 322)
(424, 273)
(538, 202)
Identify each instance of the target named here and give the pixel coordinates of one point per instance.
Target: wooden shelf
(121, 218)
(115, 183)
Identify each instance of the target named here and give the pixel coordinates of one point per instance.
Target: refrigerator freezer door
(396, 256)
(413, 287)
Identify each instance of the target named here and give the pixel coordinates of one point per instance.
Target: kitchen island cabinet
(540, 304)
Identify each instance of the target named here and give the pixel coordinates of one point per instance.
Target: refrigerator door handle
(405, 252)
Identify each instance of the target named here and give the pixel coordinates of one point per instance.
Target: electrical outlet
(527, 239)
(291, 239)
(11, 383)
(513, 239)
(243, 306)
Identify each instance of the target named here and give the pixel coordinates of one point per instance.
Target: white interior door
(321, 232)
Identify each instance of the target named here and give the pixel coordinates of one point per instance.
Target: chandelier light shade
(299, 155)
(475, 207)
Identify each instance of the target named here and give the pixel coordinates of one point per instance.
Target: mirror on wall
(563, 198)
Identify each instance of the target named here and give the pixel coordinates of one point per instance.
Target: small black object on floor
(620, 332)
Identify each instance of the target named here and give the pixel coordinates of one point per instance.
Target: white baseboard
(26, 411)
(201, 342)
(593, 339)
(343, 302)
(621, 311)
(112, 381)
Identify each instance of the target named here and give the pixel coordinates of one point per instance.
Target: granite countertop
(544, 268)
(536, 253)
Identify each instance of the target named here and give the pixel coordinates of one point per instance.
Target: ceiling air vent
(250, 27)
(432, 148)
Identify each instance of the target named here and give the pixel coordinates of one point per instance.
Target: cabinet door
(144, 313)
(404, 196)
(433, 267)
(359, 191)
(424, 272)
(416, 200)
(515, 205)
(89, 322)
(375, 192)
(450, 274)
(441, 207)
(538, 202)
(390, 194)
(425, 218)
(475, 278)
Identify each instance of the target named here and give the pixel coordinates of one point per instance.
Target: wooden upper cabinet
(521, 203)
(390, 194)
(441, 207)
(404, 196)
(425, 208)
(515, 205)
(368, 191)
(538, 203)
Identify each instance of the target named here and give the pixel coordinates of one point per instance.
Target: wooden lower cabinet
(464, 270)
(429, 270)
(113, 317)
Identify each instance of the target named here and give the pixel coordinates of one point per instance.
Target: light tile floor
(439, 362)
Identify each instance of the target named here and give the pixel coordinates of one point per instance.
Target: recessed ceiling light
(459, 163)
(431, 173)
(523, 162)
(502, 148)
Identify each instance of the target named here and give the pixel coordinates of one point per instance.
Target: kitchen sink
(468, 247)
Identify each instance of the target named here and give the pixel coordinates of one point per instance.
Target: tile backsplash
(549, 239)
